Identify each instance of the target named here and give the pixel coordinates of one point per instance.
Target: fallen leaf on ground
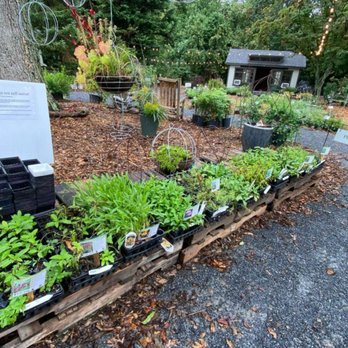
(330, 271)
(247, 325)
(234, 330)
(201, 343)
(272, 332)
(212, 327)
(223, 322)
(229, 343)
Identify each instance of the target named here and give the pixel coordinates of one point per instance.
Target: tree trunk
(320, 78)
(19, 60)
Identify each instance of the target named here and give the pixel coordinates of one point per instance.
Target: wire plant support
(74, 3)
(40, 36)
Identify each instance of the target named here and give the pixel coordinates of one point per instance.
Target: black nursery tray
(142, 248)
(10, 161)
(210, 218)
(5, 191)
(175, 236)
(3, 175)
(78, 282)
(276, 185)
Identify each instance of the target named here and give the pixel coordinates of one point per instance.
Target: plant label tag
(282, 173)
(191, 212)
(131, 238)
(325, 150)
(327, 117)
(220, 211)
(309, 159)
(99, 270)
(342, 136)
(321, 162)
(267, 189)
(94, 246)
(201, 209)
(37, 302)
(269, 173)
(148, 232)
(215, 185)
(23, 286)
(167, 246)
(286, 178)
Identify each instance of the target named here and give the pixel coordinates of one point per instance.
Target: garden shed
(253, 67)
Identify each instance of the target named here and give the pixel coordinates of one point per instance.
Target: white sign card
(341, 136)
(24, 286)
(24, 121)
(215, 185)
(148, 232)
(94, 246)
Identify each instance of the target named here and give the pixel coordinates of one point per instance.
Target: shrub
(216, 84)
(154, 111)
(58, 82)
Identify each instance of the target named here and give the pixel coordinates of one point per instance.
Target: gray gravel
(278, 280)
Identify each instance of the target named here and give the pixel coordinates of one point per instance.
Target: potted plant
(255, 133)
(212, 106)
(58, 83)
(172, 158)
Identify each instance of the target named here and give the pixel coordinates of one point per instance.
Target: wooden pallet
(208, 236)
(86, 301)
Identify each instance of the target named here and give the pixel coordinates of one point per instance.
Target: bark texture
(18, 58)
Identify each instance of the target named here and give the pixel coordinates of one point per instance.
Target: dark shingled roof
(267, 58)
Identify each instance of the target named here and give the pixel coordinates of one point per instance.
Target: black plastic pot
(43, 182)
(115, 84)
(3, 175)
(95, 98)
(276, 185)
(148, 126)
(23, 190)
(198, 120)
(10, 161)
(77, 282)
(30, 162)
(209, 215)
(175, 236)
(182, 166)
(5, 191)
(16, 173)
(227, 122)
(319, 167)
(255, 136)
(7, 210)
(142, 247)
(57, 95)
(214, 123)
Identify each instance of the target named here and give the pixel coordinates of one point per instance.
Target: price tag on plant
(24, 286)
(148, 232)
(325, 150)
(130, 240)
(269, 173)
(215, 185)
(94, 246)
(191, 212)
(167, 246)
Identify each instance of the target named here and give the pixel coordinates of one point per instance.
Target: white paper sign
(24, 286)
(341, 136)
(24, 121)
(191, 212)
(215, 185)
(94, 246)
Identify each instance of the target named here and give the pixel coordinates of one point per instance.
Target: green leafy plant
(58, 82)
(212, 104)
(154, 111)
(216, 84)
(170, 157)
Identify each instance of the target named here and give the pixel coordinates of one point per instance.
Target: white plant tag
(325, 150)
(282, 173)
(285, 178)
(148, 232)
(327, 117)
(191, 212)
(37, 302)
(99, 270)
(269, 173)
(24, 286)
(201, 209)
(215, 185)
(267, 189)
(220, 210)
(309, 159)
(94, 246)
(167, 246)
(321, 162)
(131, 238)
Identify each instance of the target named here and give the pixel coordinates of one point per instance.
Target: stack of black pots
(21, 190)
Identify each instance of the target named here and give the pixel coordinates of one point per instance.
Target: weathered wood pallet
(204, 239)
(86, 301)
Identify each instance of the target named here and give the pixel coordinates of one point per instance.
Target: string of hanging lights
(326, 31)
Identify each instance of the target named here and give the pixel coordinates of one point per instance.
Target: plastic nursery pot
(16, 173)
(214, 123)
(217, 214)
(30, 162)
(278, 184)
(3, 175)
(142, 247)
(227, 122)
(95, 98)
(198, 120)
(10, 161)
(148, 126)
(115, 84)
(5, 192)
(23, 190)
(255, 136)
(175, 236)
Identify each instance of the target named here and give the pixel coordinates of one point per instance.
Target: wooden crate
(86, 301)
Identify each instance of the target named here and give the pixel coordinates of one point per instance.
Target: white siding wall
(294, 78)
(230, 77)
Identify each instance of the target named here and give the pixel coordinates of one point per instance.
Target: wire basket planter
(74, 3)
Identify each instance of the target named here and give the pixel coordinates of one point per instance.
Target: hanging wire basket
(74, 3)
(30, 15)
(168, 141)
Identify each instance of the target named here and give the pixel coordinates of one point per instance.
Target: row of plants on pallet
(114, 220)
